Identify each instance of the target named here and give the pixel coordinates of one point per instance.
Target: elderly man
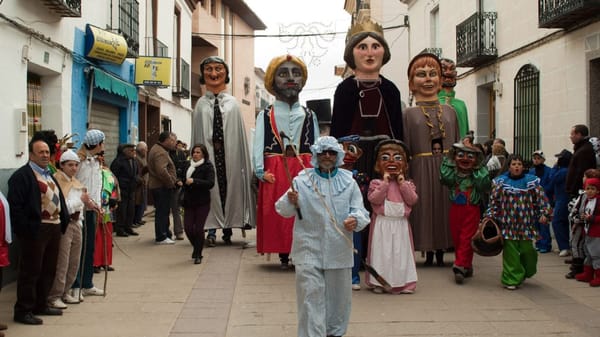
(162, 183)
(332, 208)
(38, 214)
(275, 154)
(218, 114)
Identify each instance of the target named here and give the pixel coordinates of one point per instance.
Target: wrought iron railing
(476, 40)
(566, 13)
(435, 51)
(65, 8)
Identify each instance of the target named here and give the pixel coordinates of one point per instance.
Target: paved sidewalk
(156, 291)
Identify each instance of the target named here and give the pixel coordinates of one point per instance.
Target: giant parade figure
(284, 133)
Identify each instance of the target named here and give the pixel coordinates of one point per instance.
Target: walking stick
(385, 285)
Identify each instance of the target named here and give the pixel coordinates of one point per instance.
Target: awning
(110, 83)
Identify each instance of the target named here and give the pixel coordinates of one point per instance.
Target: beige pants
(69, 253)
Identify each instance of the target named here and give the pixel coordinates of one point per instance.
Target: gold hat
(358, 32)
(365, 26)
(275, 63)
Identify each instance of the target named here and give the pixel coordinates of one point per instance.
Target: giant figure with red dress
(284, 133)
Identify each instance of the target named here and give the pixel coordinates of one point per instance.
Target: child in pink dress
(391, 249)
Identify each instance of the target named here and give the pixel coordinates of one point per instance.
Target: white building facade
(527, 72)
(71, 65)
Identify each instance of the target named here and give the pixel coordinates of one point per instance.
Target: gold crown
(365, 26)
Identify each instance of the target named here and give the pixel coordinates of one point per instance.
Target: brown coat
(161, 168)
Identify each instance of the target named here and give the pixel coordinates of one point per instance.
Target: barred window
(527, 111)
(129, 25)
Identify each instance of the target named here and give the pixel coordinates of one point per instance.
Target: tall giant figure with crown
(366, 104)
(284, 133)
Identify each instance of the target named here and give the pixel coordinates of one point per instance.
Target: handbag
(488, 240)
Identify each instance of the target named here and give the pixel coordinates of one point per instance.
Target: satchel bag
(488, 240)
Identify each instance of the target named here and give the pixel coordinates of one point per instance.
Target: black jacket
(25, 200)
(126, 171)
(198, 193)
(583, 158)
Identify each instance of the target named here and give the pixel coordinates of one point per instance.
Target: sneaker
(76, 293)
(378, 290)
(57, 304)
(564, 253)
(93, 291)
(67, 298)
(510, 287)
(407, 291)
(355, 286)
(166, 241)
(211, 242)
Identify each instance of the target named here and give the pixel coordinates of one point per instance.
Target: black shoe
(459, 276)
(48, 312)
(439, 257)
(571, 274)
(97, 270)
(428, 259)
(28, 318)
(227, 240)
(109, 268)
(135, 225)
(198, 260)
(122, 234)
(131, 232)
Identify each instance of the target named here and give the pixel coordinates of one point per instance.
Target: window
(527, 111)
(34, 103)
(129, 25)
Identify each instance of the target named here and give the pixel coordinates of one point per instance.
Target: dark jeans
(227, 233)
(37, 267)
(162, 205)
(194, 219)
(86, 263)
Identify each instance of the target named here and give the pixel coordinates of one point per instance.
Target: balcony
(435, 51)
(567, 13)
(181, 85)
(64, 8)
(476, 40)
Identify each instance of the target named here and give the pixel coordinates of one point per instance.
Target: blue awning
(114, 85)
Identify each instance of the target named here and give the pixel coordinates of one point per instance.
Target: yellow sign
(103, 45)
(153, 71)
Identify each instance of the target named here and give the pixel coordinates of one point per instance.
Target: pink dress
(391, 249)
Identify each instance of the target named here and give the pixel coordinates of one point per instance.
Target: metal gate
(527, 111)
(105, 117)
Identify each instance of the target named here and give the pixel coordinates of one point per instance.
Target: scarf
(192, 168)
